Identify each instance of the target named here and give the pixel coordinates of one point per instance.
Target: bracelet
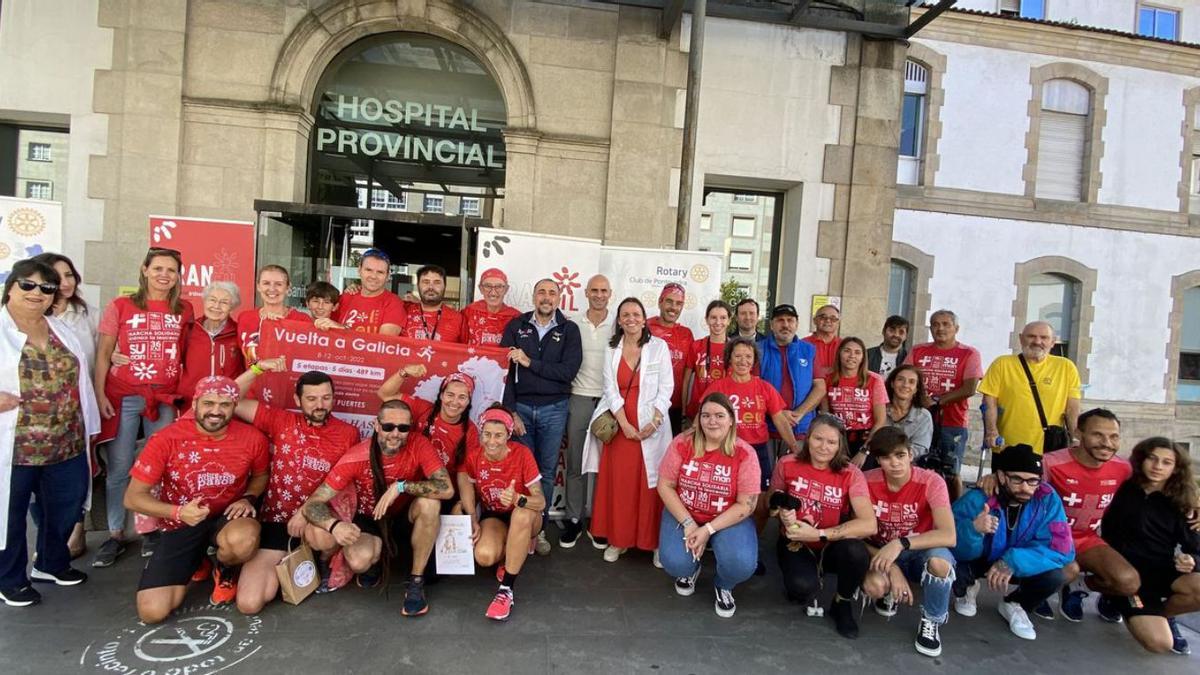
(400, 485)
(688, 521)
(335, 524)
(709, 527)
(256, 369)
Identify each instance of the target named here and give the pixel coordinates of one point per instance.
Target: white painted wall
(1111, 14)
(765, 118)
(985, 115)
(1133, 289)
(49, 52)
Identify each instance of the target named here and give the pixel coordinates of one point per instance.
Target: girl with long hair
(857, 397)
(706, 362)
(906, 407)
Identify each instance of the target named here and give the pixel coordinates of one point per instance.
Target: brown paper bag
(298, 575)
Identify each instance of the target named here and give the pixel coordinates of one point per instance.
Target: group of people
(695, 444)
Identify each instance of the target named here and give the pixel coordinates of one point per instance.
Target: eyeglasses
(1029, 482)
(29, 285)
(826, 317)
(493, 287)
(388, 427)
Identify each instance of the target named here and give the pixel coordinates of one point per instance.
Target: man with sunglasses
(486, 318)
(824, 338)
(394, 472)
(1019, 536)
(373, 309)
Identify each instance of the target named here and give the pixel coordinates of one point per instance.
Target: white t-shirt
(589, 381)
(887, 362)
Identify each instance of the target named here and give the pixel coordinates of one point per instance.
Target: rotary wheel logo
(699, 273)
(198, 640)
(690, 302)
(5, 251)
(26, 222)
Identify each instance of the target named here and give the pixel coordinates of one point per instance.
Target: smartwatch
(824, 537)
(400, 485)
(905, 543)
(522, 501)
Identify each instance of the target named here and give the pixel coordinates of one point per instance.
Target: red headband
(493, 273)
(498, 415)
(671, 288)
(219, 385)
(460, 377)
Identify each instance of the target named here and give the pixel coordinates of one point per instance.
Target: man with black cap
(1019, 536)
(789, 364)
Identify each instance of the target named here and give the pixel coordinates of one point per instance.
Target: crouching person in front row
(212, 470)
(394, 472)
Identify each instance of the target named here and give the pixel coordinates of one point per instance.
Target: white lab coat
(656, 381)
(12, 340)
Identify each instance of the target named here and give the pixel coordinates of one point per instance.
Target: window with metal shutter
(1060, 155)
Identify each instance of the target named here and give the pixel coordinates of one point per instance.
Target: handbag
(297, 573)
(1054, 437)
(605, 426)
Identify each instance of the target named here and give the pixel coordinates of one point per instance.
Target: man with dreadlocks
(394, 472)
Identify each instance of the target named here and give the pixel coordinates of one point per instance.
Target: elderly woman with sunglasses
(48, 414)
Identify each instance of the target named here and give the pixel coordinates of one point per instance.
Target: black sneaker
(685, 586)
(598, 543)
(886, 606)
(67, 577)
(1178, 644)
(414, 598)
(842, 613)
(370, 578)
(20, 597)
(1108, 610)
(108, 553)
(149, 541)
(571, 529)
(725, 606)
(929, 641)
(1044, 611)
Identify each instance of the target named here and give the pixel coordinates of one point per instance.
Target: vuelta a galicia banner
(212, 250)
(360, 362)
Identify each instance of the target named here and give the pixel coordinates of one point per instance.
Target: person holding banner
(307, 445)
(501, 491)
(394, 472)
(150, 327)
(432, 318)
(638, 382)
(486, 319)
(373, 308)
(273, 283)
(679, 338)
(706, 356)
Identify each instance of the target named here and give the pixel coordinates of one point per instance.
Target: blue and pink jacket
(1040, 542)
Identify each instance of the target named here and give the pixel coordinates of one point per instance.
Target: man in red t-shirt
(410, 478)
(373, 309)
(951, 372)
(210, 470)
(307, 445)
(824, 338)
(679, 340)
(432, 318)
(485, 319)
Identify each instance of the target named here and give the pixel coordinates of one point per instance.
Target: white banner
(527, 258)
(642, 273)
(27, 227)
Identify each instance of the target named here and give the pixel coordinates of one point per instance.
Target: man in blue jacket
(544, 355)
(788, 363)
(1019, 536)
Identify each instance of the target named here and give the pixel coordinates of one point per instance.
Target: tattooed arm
(437, 487)
(316, 510)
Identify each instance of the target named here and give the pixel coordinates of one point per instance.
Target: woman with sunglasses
(150, 327)
(48, 415)
(705, 363)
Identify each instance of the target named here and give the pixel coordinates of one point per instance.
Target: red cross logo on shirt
(835, 394)
(136, 320)
(880, 509)
(720, 504)
(799, 485)
(925, 361)
(1073, 499)
(947, 383)
(691, 468)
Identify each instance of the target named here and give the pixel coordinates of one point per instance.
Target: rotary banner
(212, 250)
(27, 227)
(360, 362)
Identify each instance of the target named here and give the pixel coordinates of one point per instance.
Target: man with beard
(884, 357)
(1019, 536)
(545, 352)
(431, 318)
(1006, 386)
(485, 319)
(211, 469)
(307, 445)
(373, 308)
(394, 472)
(678, 338)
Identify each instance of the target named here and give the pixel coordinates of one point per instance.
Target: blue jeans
(954, 439)
(61, 490)
(122, 451)
(935, 591)
(545, 426)
(735, 548)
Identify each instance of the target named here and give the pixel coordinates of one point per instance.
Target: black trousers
(1031, 590)
(802, 570)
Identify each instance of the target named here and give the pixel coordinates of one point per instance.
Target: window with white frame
(745, 199)
(36, 189)
(384, 200)
(742, 261)
(39, 152)
(434, 204)
(706, 222)
(912, 122)
(902, 283)
(1188, 387)
(471, 206)
(1062, 139)
(1026, 9)
(1196, 174)
(742, 227)
(1054, 298)
(1158, 22)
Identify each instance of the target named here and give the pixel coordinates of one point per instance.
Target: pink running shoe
(501, 605)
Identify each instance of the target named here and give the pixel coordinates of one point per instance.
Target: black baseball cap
(784, 310)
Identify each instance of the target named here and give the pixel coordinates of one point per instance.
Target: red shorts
(1085, 542)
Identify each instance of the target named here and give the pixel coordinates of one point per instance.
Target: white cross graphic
(925, 361)
(171, 351)
(691, 468)
(835, 394)
(880, 509)
(720, 504)
(1073, 499)
(947, 383)
(799, 485)
(136, 320)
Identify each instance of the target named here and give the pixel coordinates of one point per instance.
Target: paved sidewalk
(574, 614)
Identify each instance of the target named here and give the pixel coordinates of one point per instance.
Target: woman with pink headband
(500, 488)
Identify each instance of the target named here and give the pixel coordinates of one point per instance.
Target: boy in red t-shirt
(211, 470)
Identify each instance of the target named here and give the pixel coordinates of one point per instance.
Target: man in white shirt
(595, 330)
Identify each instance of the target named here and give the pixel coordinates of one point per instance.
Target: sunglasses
(389, 427)
(155, 250)
(29, 285)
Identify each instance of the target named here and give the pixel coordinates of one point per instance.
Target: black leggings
(802, 570)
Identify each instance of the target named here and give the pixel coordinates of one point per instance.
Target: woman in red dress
(638, 381)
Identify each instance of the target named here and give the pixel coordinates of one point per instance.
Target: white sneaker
(966, 605)
(543, 545)
(656, 561)
(612, 553)
(1018, 620)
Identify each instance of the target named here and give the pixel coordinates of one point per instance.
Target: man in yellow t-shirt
(1006, 386)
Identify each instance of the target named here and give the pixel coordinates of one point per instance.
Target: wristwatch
(823, 536)
(522, 501)
(905, 543)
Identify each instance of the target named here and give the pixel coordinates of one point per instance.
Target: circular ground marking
(197, 640)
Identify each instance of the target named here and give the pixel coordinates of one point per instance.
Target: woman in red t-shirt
(446, 422)
(150, 327)
(857, 397)
(272, 286)
(705, 363)
(824, 514)
(500, 487)
(709, 483)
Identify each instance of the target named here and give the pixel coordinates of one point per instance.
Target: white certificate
(455, 554)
